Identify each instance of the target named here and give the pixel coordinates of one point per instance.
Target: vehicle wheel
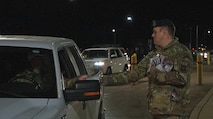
(109, 71)
(125, 68)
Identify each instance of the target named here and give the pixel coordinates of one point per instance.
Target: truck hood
(19, 108)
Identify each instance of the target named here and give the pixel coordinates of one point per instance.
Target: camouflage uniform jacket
(168, 91)
(34, 77)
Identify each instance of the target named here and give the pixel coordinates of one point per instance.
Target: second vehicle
(108, 59)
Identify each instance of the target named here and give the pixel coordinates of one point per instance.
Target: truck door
(87, 109)
(68, 72)
(72, 66)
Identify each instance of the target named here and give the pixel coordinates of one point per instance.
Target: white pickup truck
(26, 95)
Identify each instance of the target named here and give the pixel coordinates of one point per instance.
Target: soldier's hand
(155, 60)
(83, 77)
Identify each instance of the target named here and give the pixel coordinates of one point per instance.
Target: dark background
(91, 22)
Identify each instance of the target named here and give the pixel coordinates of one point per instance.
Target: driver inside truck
(36, 74)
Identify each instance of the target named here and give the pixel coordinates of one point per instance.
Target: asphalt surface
(202, 109)
(129, 101)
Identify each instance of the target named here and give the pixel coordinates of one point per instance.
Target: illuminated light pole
(130, 19)
(205, 39)
(114, 32)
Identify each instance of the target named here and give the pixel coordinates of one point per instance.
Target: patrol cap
(35, 53)
(166, 23)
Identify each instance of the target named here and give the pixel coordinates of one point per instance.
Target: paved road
(129, 101)
(126, 101)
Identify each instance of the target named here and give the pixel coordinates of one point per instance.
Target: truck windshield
(27, 72)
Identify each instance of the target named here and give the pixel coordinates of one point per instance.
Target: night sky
(91, 22)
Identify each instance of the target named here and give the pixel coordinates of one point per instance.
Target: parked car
(113, 45)
(23, 97)
(107, 59)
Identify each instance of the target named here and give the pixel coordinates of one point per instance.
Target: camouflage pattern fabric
(70, 82)
(169, 72)
(169, 117)
(115, 79)
(34, 77)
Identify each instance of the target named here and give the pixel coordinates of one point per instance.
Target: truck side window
(78, 60)
(67, 67)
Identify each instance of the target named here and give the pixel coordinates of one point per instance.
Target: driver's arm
(70, 82)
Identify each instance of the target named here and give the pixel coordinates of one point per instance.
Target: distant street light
(209, 32)
(205, 35)
(130, 19)
(114, 32)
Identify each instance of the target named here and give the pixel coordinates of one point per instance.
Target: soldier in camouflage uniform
(35, 75)
(168, 68)
(40, 77)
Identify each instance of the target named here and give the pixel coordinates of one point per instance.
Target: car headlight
(99, 63)
(205, 55)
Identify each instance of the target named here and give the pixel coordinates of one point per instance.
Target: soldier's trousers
(170, 117)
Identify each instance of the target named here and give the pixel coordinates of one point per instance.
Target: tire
(125, 68)
(109, 71)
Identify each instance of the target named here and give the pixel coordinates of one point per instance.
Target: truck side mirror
(83, 90)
